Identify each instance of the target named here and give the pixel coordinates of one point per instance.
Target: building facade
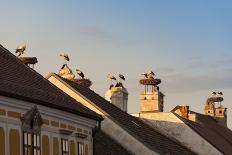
(26, 127)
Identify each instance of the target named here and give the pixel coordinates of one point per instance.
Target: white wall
(172, 126)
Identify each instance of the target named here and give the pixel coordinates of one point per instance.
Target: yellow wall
(86, 149)
(2, 141)
(14, 142)
(72, 148)
(45, 145)
(55, 146)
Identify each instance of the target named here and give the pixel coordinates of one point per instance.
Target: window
(31, 144)
(64, 145)
(80, 147)
(220, 112)
(31, 127)
(208, 111)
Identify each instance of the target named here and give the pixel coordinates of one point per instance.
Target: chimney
(184, 112)
(214, 108)
(117, 95)
(151, 99)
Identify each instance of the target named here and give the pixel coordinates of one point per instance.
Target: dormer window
(31, 127)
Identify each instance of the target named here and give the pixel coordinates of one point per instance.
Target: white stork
(144, 74)
(20, 49)
(122, 77)
(65, 56)
(111, 77)
(150, 74)
(80, 73)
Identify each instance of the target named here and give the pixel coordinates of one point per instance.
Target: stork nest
(28, 60)
(83, 82)
(215, 99)
(150, 81)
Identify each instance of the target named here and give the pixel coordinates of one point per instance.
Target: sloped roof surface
(104, 145)
(20, 81)
(217, 135)
(136, 127)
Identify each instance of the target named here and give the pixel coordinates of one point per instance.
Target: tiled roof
(217, 135)
(20, 81)
(104, 145)
(136, 127)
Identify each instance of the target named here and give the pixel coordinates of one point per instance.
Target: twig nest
(150, 81)
(28, 60)
(83, 82)
(215, 99)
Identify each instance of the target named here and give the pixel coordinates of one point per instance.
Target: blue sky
(187, 44)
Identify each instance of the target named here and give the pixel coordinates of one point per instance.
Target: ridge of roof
(19, 81)
(152, 138)
(206, 126)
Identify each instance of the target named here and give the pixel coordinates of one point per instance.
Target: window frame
(35, 143)
(80, 148)
(64, 146)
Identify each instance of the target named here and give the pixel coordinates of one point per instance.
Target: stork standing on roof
(213, 94)
(20, 49)
(111, 77)
(80, 73)
(144, 74)
(122, 77)
(65, 56)
(150, 74)
(220, 94)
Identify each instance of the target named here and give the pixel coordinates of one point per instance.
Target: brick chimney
(184, 111)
